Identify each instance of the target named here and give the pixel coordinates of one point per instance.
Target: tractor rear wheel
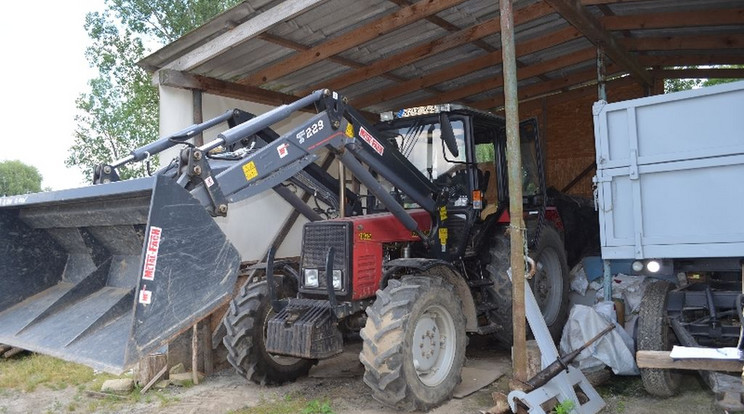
(245, 322)
(655, 334)
(549, 284)
(414, 343)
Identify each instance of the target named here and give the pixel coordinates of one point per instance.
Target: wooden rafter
(185, 80)
(425, 50)
(709, 73)
(463, 68)
(241, 33)
(677, 19)
(723, 42)
(579, 17)
(691, 60)
(338, 44)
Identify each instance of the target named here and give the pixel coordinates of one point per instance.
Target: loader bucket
(106, 274)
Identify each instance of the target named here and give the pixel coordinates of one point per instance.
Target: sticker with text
(145, 296)
(369, 139)
(151, 254)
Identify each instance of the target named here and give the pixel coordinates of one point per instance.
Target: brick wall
(568, 131)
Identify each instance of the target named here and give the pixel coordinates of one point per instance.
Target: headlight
(311, 277)
(653, 266)
(337, 279)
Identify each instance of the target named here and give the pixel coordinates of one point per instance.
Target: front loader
(419, 261)
(103, 275)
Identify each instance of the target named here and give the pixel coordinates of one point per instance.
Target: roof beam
(439, 45)
(709, 73)
(243, 32)
(338, 44)
(185, 80)
(674, 19)
(463, 68)
(577, 93)
(579, 17)
(697, 42)
(691, 60)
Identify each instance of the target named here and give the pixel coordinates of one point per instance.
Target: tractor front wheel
(414, 343)
(245, 322)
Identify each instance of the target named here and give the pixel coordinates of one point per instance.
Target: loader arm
(337, 127)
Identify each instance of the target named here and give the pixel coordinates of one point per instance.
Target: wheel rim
(433, 347)
(278, 359)
(548, 285)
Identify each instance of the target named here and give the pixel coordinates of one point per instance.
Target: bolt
(197, 155)
(336, 124)
(107, 169)
(222, 208)
(345, 100)
(197, 170)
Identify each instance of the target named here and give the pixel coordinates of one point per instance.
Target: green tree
(18, 178)
(119, 112)
(676, 85)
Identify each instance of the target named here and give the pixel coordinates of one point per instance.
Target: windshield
(421, 142)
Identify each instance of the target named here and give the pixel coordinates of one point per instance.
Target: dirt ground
(339, 382)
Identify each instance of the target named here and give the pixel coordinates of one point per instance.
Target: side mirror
(448, 134)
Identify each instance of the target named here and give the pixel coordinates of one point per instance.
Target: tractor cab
(463, 152)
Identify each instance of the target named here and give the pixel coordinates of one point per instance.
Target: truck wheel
(655, 334)
(549, 284)
(414, 343)
(245, 323)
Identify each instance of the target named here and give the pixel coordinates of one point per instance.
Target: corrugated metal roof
(654, 32)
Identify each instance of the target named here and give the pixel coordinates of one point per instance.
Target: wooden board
(661, 359)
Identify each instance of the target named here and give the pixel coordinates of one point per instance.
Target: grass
(29, 372)
(33, 370)
(289, 404)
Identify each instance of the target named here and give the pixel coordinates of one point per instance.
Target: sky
(43, 71)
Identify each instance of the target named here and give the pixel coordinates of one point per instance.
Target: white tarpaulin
(614, 349)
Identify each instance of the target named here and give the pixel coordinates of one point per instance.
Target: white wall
(251, 224)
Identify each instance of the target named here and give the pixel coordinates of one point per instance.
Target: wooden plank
(661, 359)
(674, 19)
(283, 11)
(425, 50)
(154, 379)
(691, 60)
(464, 68)
(365, 33)
(579, 17)
(696, 42)
(526, 72)
(195, 353)
(709, 73)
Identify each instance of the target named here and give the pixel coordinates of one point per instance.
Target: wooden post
(195, 353)
(514, 166)
(207, 346)
(149, 366)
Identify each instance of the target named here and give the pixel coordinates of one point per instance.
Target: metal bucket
(103, 275)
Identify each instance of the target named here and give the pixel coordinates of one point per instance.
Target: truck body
(669, 194)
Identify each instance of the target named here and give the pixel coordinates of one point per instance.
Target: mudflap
(305, 328)
(104, 275)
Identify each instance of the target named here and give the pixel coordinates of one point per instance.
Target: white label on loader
(151, 255)
(145, 296)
